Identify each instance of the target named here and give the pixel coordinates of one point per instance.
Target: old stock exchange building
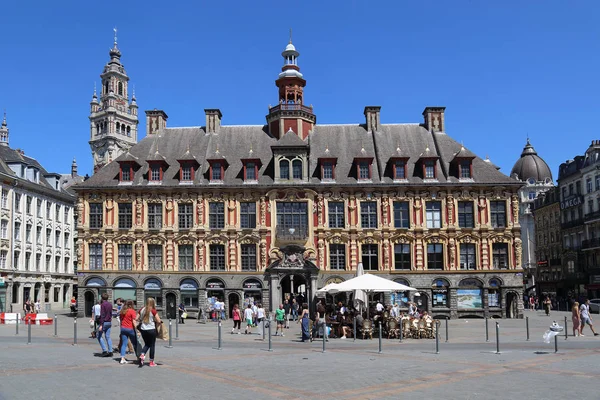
(262, 211)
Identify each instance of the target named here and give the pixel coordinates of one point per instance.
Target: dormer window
(126, 172)
(297, 169)
(187, 168)
(429, 169)
(155, 172)
(465, 169)
(216, 172)
(363, 169)
(251, 170)
(284, 169)
(399, 166)
(187, 173)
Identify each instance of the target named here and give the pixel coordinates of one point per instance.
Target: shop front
(153, 288)
(401, 298)
(124, 289)
(188, 289)
(252, 291)
(2, 295)
(92, 290)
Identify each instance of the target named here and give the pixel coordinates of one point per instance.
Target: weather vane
(115, 30)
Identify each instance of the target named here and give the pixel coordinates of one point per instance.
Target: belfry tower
(291, 113)
(114, 118)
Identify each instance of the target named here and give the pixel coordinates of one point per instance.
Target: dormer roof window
(429, 169)
(364, 168)
(187, 167)
(127, 166)
(461, 165)
(251, 167)
(157, 165)
(399, 167)
(328, 169)
(216, 171)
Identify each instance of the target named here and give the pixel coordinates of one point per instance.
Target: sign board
(252, 284)
(215, 284)
(571, 202)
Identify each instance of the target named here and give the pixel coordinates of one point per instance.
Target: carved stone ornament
(249, 239)
(275, 253)
(293, 261)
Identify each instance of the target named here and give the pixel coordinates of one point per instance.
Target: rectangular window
(39, 208)
(248, 215)
(27, 261)
(57, 213)
(28, 202)
(465, 169)
(155, 254)
(429, 169)
(186, 215)
(38, 262)
(248, 253)
(95, 256)
(337, 257)
(17, 232)
(48, 237)
(401, 215)
(402, 256)
(28, 233)
(186, 257)
(292, 217)
(48, 263)
(216, 216)
(434, 214)
(467, 256)
(435, 256)
(125, 216)
(399, 169)
(368, 214)
(370, 257)
(3, 256)
(250, 171)
(465, 214)
(155, 173)
(125, 262)
(95, 215)
(57, 264)
(16, 256)
(217, 257)
(500, 255)
(597, 182)
(125, 173)
(18, 202)
(48, 210)
(336, 214)
(216, 172)
(67, 243)
(327, 170)
(588, 183)
(155, 215)
(186, 173)
(498, 213)
(364, 172)
(4, 229)
(66, 215)
(297, 169)
(4, 199)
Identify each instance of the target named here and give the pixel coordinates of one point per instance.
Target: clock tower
(113, 117)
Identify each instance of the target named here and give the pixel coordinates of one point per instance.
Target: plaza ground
(467, 367)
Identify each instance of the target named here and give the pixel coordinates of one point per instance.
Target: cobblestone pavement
(467, 367)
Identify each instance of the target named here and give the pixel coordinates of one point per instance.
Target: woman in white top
(260, 314)
(149, 318)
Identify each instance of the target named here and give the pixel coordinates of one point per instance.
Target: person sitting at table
(346, 326)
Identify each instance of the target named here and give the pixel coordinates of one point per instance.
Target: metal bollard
(324, 335)
(170, 346)
(487, 332)
(556, 344)
(497, 338)
(380, 336)
(270, 343)
(263, 329)
(437, 337)
(55, 325)
(29, 332)
(446, 330)
(219, 336)
(176, 327)
(566, 331)
(527, 327)
(74, 331)
(354, 322)
(17, 324)
(401, 331)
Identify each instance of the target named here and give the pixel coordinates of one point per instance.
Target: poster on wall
(493, 300)
(469, 298)
(439, 298)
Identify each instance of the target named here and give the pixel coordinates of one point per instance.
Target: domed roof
(290, 47)
(530, 165)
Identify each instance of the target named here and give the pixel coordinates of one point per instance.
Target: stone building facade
(261, 212)
(590, 246)
(36, 232)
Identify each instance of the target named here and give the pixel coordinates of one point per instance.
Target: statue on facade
(452, 245)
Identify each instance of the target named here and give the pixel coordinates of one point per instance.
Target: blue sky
(504, 70)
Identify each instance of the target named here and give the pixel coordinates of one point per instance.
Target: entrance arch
(233, 299)
(171, 305)
(89, 301)
(512, 305)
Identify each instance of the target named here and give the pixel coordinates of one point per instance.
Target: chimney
(213, 120)
(434, 119)
(74, 168)
(372, 117)
(156, 120)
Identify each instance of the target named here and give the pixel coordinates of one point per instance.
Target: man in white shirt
(584, 310)
(254, 311)
(395, 311)
(379, 307)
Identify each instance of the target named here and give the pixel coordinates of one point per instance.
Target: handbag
(139, 325)
(184, 315)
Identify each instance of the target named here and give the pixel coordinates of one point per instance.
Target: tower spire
(115, 30)
(4, 131)
(290, 35)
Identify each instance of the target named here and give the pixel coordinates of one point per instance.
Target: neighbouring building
(536, 176)
(113, 118)
(591, 203)
(263, 212)
(36, 232)
(572, 222)
(551, 277)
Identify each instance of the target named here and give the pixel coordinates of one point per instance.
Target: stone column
(275, 290)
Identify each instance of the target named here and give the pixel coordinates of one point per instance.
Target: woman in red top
(237, 319)
(128, 323)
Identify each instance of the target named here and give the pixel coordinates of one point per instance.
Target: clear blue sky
(503, 69)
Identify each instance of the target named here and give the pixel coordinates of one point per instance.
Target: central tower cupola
(291, 113)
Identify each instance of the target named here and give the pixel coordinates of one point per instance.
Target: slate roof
(344, 142)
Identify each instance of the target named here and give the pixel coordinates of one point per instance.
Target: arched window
(118, 127)
(106, 87)
(120, 89)
(469, 296)
(400, 298)
(440, 293)
(128, 131)
(297, 169)
(494, 293)
(284, 169)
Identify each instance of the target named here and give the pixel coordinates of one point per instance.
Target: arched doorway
(512, 305)
(171, 305)
(89, 301)
(293, 286)
(252, 292)
(421, 300)
(234, 299)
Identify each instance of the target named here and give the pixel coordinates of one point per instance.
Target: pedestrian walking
(105, 325)
(280, 318)
(287, 309)
(248, 315)
(576, 318)
(149, 319)
(304, 319)
(237, 319)
(128, 337)
(182, 312)
(295, 310)
(584, 312)
(547, 305)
